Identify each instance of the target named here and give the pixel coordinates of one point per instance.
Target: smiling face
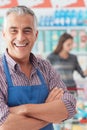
(20, 35)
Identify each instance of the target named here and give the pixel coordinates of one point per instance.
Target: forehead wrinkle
(20, 22)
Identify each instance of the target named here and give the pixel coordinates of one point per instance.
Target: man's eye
(13, 31)
(27, 31)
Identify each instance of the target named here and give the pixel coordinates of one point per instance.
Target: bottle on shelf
(57, 18)
(73, 18)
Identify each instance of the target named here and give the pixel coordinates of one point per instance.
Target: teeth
(20, 45)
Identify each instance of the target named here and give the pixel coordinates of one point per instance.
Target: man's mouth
(20, 45)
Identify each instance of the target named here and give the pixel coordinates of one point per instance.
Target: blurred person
(66, 63)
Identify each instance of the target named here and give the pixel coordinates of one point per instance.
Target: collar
(13, 64)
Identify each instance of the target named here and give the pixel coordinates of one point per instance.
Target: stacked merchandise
(64, 17)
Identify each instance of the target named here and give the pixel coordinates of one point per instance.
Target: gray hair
(21, 10)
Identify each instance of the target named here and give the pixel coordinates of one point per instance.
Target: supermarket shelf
(62, 28)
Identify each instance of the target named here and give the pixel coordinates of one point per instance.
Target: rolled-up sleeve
(70, 103)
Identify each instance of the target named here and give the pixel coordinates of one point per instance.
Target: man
(32, 95)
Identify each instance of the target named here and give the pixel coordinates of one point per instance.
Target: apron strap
(7, 73)
(8, 76)
(41, 77)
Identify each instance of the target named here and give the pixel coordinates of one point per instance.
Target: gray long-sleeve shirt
(66, 67)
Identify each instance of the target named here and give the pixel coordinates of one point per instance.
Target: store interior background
(54, 18)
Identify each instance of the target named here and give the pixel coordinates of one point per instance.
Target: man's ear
(36, 35)
(3, 33)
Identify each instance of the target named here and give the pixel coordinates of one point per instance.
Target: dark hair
(62, 39)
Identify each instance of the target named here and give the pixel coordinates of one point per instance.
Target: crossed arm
(36, 116)
(53, 110)
(20, 122)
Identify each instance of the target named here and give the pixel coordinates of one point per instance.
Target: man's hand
(55, 94)
(85, 73)
(18, 110)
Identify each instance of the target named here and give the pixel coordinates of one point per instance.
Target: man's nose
(20, 36)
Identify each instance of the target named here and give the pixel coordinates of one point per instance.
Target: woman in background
(66, 63)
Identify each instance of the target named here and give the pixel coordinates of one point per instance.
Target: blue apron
(18, 95)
